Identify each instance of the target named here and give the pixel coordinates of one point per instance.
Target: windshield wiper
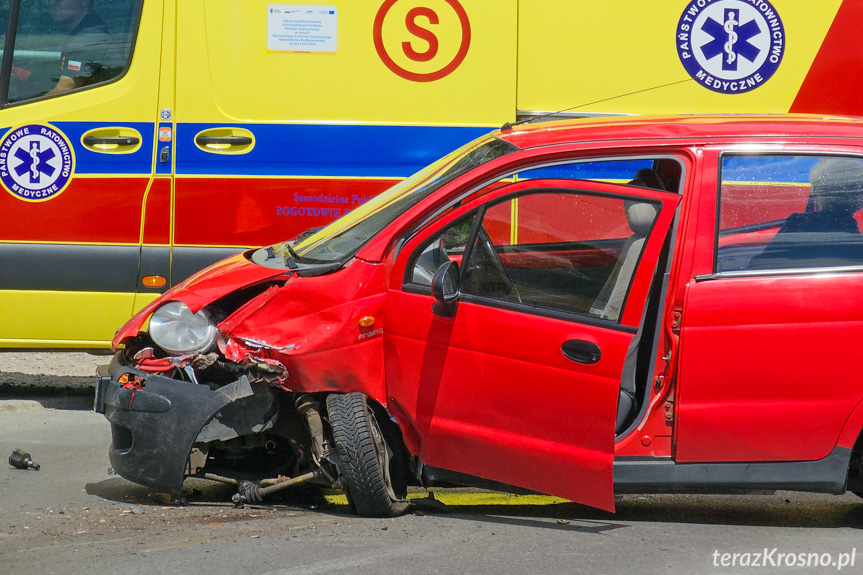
(291, 261)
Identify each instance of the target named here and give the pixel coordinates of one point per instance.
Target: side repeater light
(153, 281)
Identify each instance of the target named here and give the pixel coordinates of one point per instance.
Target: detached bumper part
(153, 429)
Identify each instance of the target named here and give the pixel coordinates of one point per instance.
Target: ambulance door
(78, 87)
(289, 116)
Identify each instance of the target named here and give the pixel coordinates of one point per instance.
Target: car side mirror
(445, 289)
(444, 284)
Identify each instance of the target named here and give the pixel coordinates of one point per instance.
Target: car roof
(691, 127)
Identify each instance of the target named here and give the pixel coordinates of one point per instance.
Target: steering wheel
(488, 271)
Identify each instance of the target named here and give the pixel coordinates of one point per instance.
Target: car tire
(364, 459)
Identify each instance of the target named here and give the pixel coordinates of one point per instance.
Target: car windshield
(339, 240)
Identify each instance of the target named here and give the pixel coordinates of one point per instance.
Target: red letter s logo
(422, 33)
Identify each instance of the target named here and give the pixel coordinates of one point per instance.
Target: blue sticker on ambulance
(36, 162)
(730, 46)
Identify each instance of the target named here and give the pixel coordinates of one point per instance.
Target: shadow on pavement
(765, 511)
(198, 493)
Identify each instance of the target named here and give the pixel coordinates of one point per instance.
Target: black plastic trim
(158, 424)
(663, 475)
(64, 267)
(582, 351)
(155, 261)
(189, 260)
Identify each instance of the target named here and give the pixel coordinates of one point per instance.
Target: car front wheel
(364, 458)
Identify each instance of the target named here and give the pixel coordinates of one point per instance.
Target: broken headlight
(177, 330)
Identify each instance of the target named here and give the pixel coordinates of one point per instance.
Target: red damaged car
(579, 308)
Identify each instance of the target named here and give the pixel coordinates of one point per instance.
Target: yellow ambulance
(141, 140)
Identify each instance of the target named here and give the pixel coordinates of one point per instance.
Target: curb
(16, 390)
(8, 405)
(23, 404)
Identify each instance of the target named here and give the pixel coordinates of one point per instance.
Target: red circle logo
(421, 23)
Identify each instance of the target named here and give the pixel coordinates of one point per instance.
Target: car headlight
(178, 331)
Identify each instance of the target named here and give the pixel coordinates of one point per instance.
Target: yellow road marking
(472, 499)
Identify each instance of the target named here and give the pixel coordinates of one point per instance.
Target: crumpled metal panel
(310, 326)
(245, 415)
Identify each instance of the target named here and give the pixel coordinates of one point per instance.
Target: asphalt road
(73, 517)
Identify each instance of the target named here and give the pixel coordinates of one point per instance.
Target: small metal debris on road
(21, 460)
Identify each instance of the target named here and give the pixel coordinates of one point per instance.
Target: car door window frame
(479, 212)
(714, 275)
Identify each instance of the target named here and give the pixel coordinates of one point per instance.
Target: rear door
(78, 95)
(772, 321)
(521, 385)
(291, 115)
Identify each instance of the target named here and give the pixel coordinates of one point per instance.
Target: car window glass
(781, 212)
(551, 249)
(65, 45)
(651, 173)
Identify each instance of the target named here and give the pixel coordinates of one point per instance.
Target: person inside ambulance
(87, 53)
(827, 233)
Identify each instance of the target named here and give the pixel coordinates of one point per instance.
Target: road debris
(21, 460)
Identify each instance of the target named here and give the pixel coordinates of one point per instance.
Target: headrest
(837, 184)
(640, 216)
(647, 178)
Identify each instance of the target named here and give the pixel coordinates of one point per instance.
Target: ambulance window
(60, 46)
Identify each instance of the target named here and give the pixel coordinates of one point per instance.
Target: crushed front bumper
(154, 427)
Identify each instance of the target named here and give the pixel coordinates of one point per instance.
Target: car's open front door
(522, 384)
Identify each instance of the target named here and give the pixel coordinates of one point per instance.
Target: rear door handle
(582, 351)
(230, 141)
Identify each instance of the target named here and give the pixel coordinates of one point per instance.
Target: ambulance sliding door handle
(231, 140)
(223, 140)
(581, 351)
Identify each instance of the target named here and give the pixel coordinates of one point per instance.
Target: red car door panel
(495, 396)
(489, 392)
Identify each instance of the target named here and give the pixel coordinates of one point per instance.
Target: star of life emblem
(36, 162)
(730, 46)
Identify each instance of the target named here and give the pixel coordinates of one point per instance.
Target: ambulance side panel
(632, 57)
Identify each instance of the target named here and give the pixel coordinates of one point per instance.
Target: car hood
(203, 288)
